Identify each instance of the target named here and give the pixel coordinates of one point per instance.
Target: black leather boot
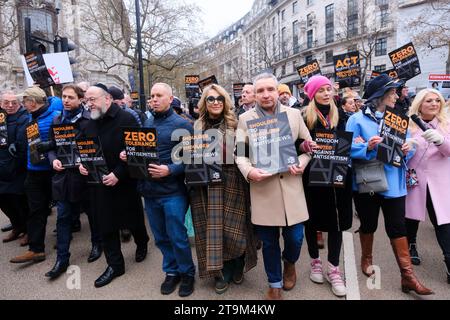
(415, 259)
(58, 269)
(109, 275)
(96, 253)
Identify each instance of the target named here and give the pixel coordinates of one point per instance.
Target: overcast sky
(219, 14)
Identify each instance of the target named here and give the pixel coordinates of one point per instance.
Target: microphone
(419, 122)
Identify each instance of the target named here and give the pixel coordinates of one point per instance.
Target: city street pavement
(142, 280)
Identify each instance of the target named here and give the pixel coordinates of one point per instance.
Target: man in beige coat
(277, 200)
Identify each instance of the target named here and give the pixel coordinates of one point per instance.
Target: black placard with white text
(330, 161)
(271, 145)
(393, 130)
(141, 149)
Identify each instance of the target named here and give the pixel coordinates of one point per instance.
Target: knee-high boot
(409, 280)
(366, 240)
(447, 264)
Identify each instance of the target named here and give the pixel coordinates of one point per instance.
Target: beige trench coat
(280, 199)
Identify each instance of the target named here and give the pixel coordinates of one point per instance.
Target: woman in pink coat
(432, 166)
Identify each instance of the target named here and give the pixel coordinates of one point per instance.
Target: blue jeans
(270, 236)
(166, 216)
(66, 212)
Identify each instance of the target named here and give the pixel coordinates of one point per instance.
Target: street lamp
(141, 65)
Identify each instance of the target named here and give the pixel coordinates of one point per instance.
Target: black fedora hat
(378, 86)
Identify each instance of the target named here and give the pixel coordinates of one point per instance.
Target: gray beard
(97, 114)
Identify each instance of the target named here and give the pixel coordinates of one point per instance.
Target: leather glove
(46, 146)
(432, 136)
(12, 149)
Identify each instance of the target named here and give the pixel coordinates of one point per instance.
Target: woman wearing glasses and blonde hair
(432, 169)
(224, 238)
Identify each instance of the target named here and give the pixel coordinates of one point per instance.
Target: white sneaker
(316, 274)
(334, 277)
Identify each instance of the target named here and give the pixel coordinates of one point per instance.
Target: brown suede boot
(274, 294)
(366, 240)
(409, 280)
(289, 276)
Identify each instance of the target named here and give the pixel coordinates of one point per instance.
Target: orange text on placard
(402, 54)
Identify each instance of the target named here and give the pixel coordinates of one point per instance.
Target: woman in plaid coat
(224, 238)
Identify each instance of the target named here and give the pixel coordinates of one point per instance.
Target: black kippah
(101, 86)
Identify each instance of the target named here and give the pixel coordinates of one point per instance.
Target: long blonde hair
(417, 103)
(311, 114)
(228, 114)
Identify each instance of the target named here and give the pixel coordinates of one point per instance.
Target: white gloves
(412, 142)
(432, 136)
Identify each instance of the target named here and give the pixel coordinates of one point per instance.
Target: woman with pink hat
(330, 209)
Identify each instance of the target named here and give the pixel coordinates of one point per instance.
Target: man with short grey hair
(247, 98)
(13, 165)
(278, 200)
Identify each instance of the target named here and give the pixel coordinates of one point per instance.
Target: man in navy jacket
(13, 166)
(165, 196)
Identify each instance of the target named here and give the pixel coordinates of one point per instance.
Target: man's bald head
(161, 97)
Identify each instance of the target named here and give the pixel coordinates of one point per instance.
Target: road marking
(351, 276)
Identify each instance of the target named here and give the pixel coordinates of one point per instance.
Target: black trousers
(368, 208)
(442, 232)
(334, 244)
(38, 188)
(15, 207)
(112, 246)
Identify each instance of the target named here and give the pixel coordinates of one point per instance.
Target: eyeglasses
(12, 103)
(92, 99)
(219, 99)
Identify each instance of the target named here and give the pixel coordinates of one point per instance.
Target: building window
(308, 58)
(309, 20)
(309, 39)
(284, 43)
(381, 47)
(295, 36)
(382, 2)
(273, 22)
(380, 68)
(274, 44)
(283, 70)
(329, 23)
(384, 17)
(352, 18)
(309, 2)
(329, 56)
(283, 12)
(295, 7)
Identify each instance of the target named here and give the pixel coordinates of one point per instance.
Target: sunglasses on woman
(219, 99)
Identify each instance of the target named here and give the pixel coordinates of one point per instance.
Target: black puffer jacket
(13, 169)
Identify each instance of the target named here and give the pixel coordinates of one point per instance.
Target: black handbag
(370, 176)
